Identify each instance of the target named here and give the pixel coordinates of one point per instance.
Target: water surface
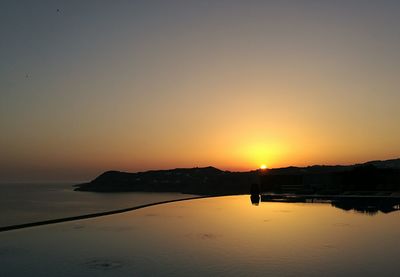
(216, 236)
(31, 202)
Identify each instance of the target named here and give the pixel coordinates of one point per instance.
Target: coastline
(263, 197)
(93, 215)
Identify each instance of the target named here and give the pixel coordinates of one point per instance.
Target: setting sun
(263, 166)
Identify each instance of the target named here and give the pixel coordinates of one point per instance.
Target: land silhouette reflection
(360, 204)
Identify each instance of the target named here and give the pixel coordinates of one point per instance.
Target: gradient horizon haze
(89, 86)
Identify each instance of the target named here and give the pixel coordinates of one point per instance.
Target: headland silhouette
(371, 178)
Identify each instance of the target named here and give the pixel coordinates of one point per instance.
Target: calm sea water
(221, 236)
(23, 203)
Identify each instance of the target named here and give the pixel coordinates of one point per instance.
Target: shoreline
(94, 215)
(273, 197)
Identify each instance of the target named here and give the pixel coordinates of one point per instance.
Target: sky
(89, 86)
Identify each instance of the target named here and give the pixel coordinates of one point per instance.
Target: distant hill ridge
(393, 163)
(211, 180)
(198, 180)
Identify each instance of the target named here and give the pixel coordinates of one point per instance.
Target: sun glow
(255, 154)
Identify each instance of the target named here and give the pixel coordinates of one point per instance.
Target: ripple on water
(150, 215)
(203, 236)
(78, 226)
(340, 224)
(103, 264)
(116, 228)
(208, 236)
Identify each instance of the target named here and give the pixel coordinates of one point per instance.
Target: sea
(22, 203)
(216, 236)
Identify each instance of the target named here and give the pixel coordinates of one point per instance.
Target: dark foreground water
(23, 203)
(221, 236)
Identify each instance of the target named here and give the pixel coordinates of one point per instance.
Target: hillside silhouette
(374, 177)
(199, 180)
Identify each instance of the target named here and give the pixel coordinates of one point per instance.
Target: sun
(263, 167)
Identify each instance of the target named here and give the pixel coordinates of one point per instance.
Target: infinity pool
(220, 236)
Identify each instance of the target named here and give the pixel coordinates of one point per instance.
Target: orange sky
(139, 86)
